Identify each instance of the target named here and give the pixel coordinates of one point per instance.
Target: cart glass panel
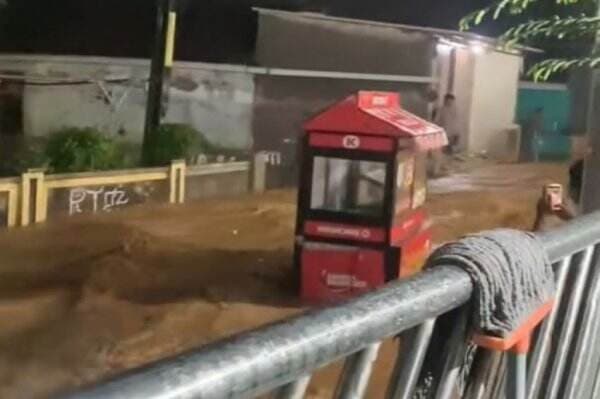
(419, 194)
(349, 186)
(404, 181)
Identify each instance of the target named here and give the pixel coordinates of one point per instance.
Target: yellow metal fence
(27, 196)
(10, 187)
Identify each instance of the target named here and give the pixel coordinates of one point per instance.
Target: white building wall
(494, 100)
(48, 108)
(463, 90)
(486, 87)
(217, 102)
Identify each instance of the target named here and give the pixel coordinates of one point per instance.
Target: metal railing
(426, 312)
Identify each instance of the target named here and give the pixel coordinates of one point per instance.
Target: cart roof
(377, 113)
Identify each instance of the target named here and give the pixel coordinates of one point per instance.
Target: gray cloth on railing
(511, 272)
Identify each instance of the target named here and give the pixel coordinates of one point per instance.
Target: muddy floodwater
(87, 297)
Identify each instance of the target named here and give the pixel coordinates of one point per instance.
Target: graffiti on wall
(99, 199)
(104, 199)
(273, 158)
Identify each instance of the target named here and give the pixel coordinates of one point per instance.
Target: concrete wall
(283, 104)
(494, 100)
(216, 102)
(463, 90)
(264, 108)
(301, 41)
(288, 40)
(443, 71)
(485, 83)
(219, 100)
(220, 106)
(486, 87)
(226, 183)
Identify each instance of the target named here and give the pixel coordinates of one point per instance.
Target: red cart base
(332, 273)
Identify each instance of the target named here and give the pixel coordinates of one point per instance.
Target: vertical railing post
(25, 199)
(585, 360)
(357, 370)
(41, 199)
(182, 172)
(293, 390)
(455, 353)
(541, 352)
(482, 379)
(30, 180)
(410, 360)
(517, 375)
(563, 344)
(259, 172)
(12, 207)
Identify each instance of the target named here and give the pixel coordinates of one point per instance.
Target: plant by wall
(176, 141)
(81, 150)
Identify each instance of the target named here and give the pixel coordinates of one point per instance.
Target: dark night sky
(209, 30)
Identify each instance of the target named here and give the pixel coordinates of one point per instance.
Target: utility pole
(162, 61)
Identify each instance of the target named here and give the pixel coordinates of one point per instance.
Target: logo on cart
(341, 282)
(351, 142)
(365, 233)
(380, 101)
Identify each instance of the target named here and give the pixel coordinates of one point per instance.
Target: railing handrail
(572, 237)
(256, 362)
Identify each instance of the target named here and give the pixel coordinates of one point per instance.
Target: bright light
(477, 48)
(443, 48)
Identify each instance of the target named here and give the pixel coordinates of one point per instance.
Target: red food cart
(362, 189)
